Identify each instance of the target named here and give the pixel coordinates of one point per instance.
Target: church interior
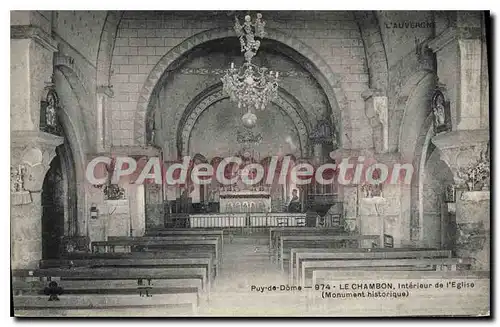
(392, 87)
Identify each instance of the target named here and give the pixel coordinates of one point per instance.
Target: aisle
(245, 264)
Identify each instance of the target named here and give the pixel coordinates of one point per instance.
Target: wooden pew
(163, 245)
(205, 263)
(296, 258)
(447, 301)
(381, 264)
(24, 286)
(282, 231)
(85, 288)
(99, 305)
(179, 253)
(109, 273)
(185, 231)
(180, 236)
(315, 241)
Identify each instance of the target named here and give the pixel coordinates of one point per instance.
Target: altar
(244, 201)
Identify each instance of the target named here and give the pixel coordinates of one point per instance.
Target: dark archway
(59, 203)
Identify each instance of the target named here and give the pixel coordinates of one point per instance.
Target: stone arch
(414, 98)
(375, 54)
(75, 75)
(416, 92)
(329, 82)
(75, 133)
(79, 141)
(106, 46)
(184, 133)
(422, 152)
(434, 228)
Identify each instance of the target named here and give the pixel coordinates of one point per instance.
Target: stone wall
(143, 38)
(81, 29)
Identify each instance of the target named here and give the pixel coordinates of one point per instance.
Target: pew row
(108, 273)
(185, 231)
(286, 243)
(274, 232)
(297, 256)
(205, 263)
(216, 236)
(163, 245)
(381, 264)
(79, 289)
(472, 298)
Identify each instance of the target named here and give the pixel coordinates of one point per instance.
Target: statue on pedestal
(440, 111)
(49, 121)
(294, 205)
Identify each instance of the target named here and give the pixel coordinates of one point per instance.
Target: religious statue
(49, 121)
(51, 114)
(151, 129)
(439, 111)
(294, 205)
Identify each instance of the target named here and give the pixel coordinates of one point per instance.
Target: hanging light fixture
(250, 86)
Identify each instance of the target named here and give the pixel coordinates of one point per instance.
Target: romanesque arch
(74, 131)
(106, 46)
(376, 57)
(320, 69)
(184, 130)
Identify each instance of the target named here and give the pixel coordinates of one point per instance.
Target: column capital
(106, 90)
(32, 152)
(461, 149)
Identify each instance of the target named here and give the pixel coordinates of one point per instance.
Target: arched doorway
(59, 203)
(438, 225)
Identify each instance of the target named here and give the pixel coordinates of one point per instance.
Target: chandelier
(250, 86)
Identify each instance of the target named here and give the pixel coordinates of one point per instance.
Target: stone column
(32, 49)
(458, 52)
(469, 112)
(104, 96)
(464, 152)
(376, 108)
(32, 152)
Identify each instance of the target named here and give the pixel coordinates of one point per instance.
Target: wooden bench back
(286, 243)
(382, 264)
(164, 244)
(282, 231)
(299, 257)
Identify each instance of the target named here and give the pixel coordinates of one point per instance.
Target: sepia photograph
(250, 163)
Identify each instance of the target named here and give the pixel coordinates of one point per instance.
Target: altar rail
(239, 220)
